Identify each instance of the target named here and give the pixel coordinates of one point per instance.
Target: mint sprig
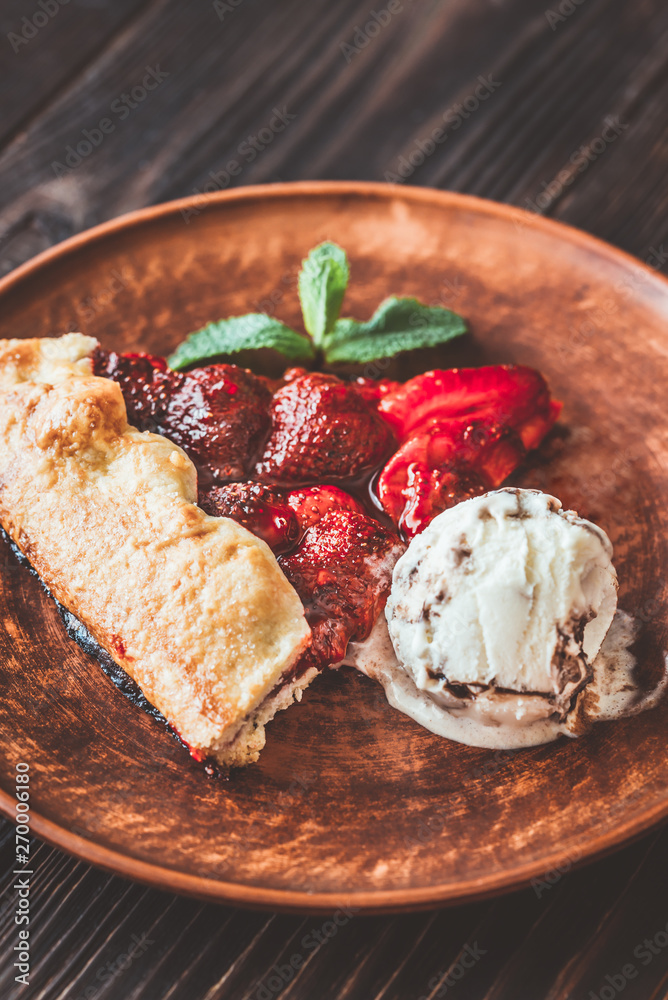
(323, 280)
(397, 325)
(241, 333)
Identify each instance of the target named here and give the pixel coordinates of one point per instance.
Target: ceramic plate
(352, 803)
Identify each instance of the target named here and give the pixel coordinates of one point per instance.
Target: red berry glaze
(322, 429)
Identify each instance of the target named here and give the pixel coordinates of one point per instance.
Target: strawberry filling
(342, 570)
(219, 415)
(332, 474)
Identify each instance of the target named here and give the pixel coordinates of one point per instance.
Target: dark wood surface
(554, 86)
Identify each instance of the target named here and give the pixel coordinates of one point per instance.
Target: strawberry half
(313, 502)
(426, 492)
(463, 432)
(453, 459)
(512, 393)
(322, 429)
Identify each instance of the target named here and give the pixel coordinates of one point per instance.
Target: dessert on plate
(225, 536)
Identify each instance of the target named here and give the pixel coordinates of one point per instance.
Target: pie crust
(194, 608)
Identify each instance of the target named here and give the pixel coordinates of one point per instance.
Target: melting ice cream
(494, 623)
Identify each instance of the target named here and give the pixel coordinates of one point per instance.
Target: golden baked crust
(194, 608)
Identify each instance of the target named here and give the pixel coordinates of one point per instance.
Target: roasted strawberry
(534, 427)
(512, 393)
(342, 570)
(219, 416)
(259, 508)
(464, 431)
(144, 380)
(313, 502)
(322, 429)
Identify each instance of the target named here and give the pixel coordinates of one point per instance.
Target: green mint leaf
(241, 333)
(322, 284)
(397, 325)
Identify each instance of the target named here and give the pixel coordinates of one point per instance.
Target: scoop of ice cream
(500, 606)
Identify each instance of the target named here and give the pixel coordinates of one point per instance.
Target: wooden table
(106, 107)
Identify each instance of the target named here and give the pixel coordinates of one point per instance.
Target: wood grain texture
(558, 940)
(46, 50)
(356, 119)
(353, 120)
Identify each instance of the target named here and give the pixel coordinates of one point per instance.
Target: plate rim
(379, 189)
(301, 901)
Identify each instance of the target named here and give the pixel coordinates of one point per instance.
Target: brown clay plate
(352, 803)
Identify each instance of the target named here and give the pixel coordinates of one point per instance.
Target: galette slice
(194, 608)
